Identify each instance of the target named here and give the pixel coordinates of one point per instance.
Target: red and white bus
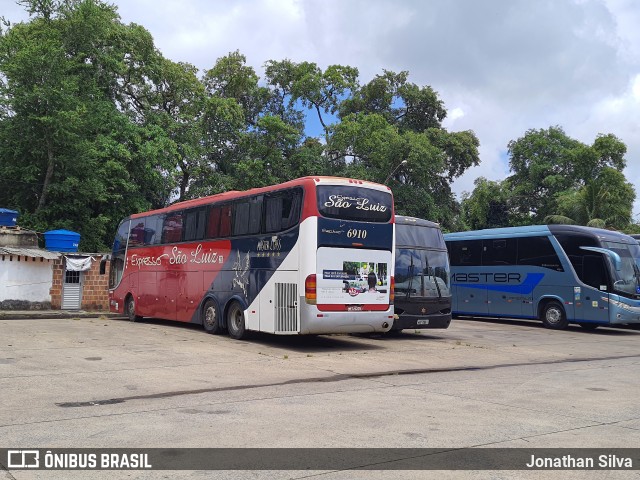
(310, 256)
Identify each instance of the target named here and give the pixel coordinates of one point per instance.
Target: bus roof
(540, 230)
(404, 220)
(230, 195)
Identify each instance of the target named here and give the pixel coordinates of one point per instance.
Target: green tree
(605, 201)
(69, 144)
(488, 206)
(545, 163)
(390, 132)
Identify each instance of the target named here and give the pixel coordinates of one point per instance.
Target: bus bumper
(407, 321)
(317, 322)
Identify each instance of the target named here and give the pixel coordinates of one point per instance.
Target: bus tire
(553, 316)
(130, 309)
(235, 321)
(210, 317)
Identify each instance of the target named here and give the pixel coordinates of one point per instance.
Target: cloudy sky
(501, 66)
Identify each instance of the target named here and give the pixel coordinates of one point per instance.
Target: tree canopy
(96, 124)
(556, 179)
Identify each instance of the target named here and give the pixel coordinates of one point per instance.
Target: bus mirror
(615, 258)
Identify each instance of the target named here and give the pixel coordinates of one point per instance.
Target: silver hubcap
(554, 315)
(236, 320)
(210, 317)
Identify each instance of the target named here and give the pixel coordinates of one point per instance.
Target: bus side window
(136, 236)
(282, 211)
(538, 252)
(172, 228)
(594, 271)
(153, 230)
(213, 222)
(501, 251)
(465, 253)
(194, 224)
(225, 221)
(240, 217)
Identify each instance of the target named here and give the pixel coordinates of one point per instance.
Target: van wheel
(553, 316)
(235, 321)
(130, 309)
(210, 318)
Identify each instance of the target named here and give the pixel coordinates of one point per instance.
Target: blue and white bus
(559, 274)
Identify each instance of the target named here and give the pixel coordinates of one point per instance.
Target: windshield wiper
(435, 280)
(410, 286)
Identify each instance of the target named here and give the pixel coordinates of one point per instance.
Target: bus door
(594, 305)
(468, 277)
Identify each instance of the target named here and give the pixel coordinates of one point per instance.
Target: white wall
(28, 279)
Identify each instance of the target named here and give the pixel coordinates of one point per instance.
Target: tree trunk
(47, 177)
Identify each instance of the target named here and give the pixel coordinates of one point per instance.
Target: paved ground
(105, 382)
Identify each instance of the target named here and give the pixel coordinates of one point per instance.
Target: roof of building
(29, 252)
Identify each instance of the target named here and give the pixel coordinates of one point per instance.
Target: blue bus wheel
(553, 316)
(210, 318)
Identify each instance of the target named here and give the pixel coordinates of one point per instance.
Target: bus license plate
(354, 308)
(423, 321)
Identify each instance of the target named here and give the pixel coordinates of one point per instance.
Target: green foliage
(487, 206)
(547, 166)
(95, 124)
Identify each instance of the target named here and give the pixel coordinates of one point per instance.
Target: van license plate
(423, 321)
(354, 308)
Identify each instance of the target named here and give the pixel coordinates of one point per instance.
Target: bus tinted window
(120, 242)
(499, 251)
(465, 252)
(538, 252)
(282, 211)
(194, 224)
(172, 228)
(136, 235)
(354, 203)
(153, 230)
(418, 236)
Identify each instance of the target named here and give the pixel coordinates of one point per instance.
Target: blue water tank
(8, 218)
(61, 241)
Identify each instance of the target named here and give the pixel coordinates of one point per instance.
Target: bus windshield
(422, 273)
(354, 203)
(627, 279)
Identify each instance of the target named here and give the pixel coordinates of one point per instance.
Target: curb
(53, 314)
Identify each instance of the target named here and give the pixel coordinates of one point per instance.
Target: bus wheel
(210, 320)
(235, 321)
(553, 316)
(130, 309)
(589, 326)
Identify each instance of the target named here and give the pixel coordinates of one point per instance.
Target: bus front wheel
(130, 309)
(210, 320)
(553, 316)
(235, 321)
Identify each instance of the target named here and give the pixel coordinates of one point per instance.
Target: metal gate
(72, 290)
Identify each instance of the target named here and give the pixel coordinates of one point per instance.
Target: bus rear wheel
(210, 320)
(130, 309)
(553, 316)
(235, 321)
